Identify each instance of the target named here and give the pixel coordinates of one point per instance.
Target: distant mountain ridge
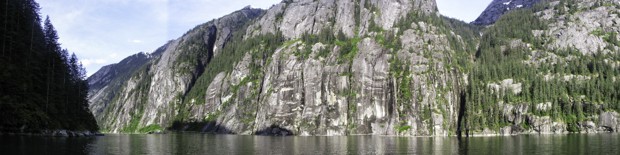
(497, 8)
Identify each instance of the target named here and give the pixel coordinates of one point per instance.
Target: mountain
(111, 77)
(143, 84)
(43, 89)
(552, 68)
(301, 67)
(497, 8)
(381, 67)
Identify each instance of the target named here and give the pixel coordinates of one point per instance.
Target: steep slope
(111, 77)
(497, 8)
(379, 67)
(142, 89)
(306, 68)
(556, 74)
(296, 90)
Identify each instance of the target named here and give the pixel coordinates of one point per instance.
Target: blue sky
(103, 32)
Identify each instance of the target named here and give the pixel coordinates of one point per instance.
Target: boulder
(60, 133)
(608, 121)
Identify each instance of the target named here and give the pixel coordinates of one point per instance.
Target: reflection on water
(44, 145)
(231, 144)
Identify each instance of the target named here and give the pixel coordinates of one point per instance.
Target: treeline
(41, 86)
(564, 84)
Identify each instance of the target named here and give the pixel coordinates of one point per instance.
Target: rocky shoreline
(503, 133)
(55, 133)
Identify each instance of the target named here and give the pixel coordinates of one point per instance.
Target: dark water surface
(188, 143)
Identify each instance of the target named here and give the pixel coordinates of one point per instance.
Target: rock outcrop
(609, 122)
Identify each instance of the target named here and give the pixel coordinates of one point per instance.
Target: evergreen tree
(40, 87)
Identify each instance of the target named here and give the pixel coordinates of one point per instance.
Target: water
(232, 144)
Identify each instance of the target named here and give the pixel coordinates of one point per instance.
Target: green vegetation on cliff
(261, 48)
(423, 75)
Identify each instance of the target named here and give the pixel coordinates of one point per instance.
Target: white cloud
(113, 55)
(89, 62)
(136, 41)
(466, 10)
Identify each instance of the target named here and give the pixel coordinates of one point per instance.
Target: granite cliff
(381, 67)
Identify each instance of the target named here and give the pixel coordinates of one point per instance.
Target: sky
(103, 32)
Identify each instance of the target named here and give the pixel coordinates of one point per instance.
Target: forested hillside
(42, 87)
(557, 73)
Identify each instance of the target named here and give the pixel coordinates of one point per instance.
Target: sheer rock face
(110, 77)
(296, 17)
(497, 8)
(578, 30)
(301, 95)
(329, 94)
(320, 96)
(149, 92)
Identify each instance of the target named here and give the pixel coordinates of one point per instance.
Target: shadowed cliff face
(497, 8)
(112, 77)
(134, 93)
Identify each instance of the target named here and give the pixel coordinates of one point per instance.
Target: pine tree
(40, 88)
